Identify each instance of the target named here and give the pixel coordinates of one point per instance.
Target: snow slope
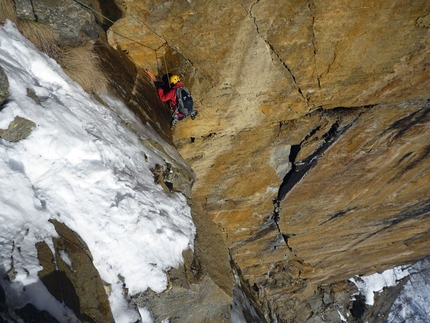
(82, 166)
(413, 302)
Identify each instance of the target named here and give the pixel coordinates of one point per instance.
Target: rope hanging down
(133, 40)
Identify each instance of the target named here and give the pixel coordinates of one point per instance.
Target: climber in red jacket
(168, 93)
(177, 96)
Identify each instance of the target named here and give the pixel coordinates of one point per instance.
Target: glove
(158, 84)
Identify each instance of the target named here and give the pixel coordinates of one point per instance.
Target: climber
(180, 101)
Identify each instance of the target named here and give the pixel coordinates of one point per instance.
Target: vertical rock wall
(330, 94)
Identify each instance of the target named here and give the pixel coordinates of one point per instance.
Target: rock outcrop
(311, 141)
(70, 276)
(202, 289)
(69, 19)
(18, 129)
(4, 87)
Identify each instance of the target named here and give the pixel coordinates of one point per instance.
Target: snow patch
(84, 167)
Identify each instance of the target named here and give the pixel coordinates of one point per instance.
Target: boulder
(73, 23)
(19, 129)
(24, 10)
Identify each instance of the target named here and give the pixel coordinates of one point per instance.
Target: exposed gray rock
(331, 315)
(201, 289)
(24, 10)
(19, 129)
(4, 86)
(175, 177)
(327, 298)
(315, 302)
(202, 302)
(73, 23)
(32, 94)
(328, 304)
(11, 273)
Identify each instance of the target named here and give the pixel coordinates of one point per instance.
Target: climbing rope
(88, 7)
(133, 40)
(167, 72)
(156, 56)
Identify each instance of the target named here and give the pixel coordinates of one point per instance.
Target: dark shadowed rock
(31, 314)
(135, 88)
(78, 283)
(3, 306)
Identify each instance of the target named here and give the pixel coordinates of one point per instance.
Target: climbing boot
(193, 114)
(174, 121)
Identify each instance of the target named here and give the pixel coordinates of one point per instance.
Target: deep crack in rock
(272, 49)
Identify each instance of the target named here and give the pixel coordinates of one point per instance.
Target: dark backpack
(185, 100)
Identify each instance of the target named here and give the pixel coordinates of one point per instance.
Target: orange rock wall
(269, 76)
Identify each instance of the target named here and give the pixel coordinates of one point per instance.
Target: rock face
(73, 23)
(71, 277)
(201, 290)
(74, 282)
(310, 148)
(311, 142)
(4, 87)
(380, 176)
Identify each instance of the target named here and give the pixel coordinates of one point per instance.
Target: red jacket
(169, 95)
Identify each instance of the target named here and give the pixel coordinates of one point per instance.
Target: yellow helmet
(174, 79)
